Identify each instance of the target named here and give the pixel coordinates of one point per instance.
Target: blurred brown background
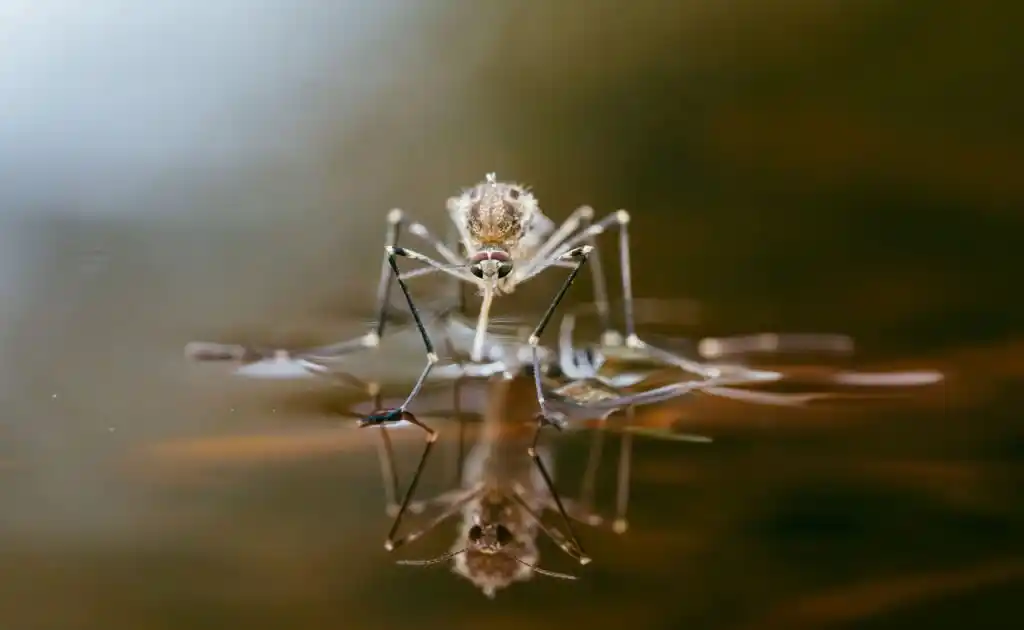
(170, 172)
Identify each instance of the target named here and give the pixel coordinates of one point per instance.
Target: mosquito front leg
(455, 262)
(580, 256)
(601, 301)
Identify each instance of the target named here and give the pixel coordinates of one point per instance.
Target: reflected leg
(400, 414)
(579, 554)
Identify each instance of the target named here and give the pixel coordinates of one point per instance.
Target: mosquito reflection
(503, 490)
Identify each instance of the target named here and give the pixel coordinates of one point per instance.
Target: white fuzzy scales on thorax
(495, 215)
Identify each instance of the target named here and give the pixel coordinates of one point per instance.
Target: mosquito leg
(580, 255)
(400, 414)
(455, 243)
(456, 272)
(620, 220)
(546, 253)
(575, 543)
(384, 286)
(432, 357)
(421, 231)
(627, 277)
(539, 264)
(608, 337)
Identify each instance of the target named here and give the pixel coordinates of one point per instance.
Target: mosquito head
(491, 263)
(494, 550)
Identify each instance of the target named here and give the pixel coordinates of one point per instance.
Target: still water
(789, 166)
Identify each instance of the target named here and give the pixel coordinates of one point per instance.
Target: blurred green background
(171, 172)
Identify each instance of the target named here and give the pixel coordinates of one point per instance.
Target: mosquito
(507, 241)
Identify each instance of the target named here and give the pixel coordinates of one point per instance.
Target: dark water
(789, 165)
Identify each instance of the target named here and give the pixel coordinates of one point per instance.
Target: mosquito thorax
(491, 263)
(494, 213)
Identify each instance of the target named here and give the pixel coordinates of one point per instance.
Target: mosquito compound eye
(477, 271)
(504, 536)
(513, 194)
(504, 269)
(475, 533)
